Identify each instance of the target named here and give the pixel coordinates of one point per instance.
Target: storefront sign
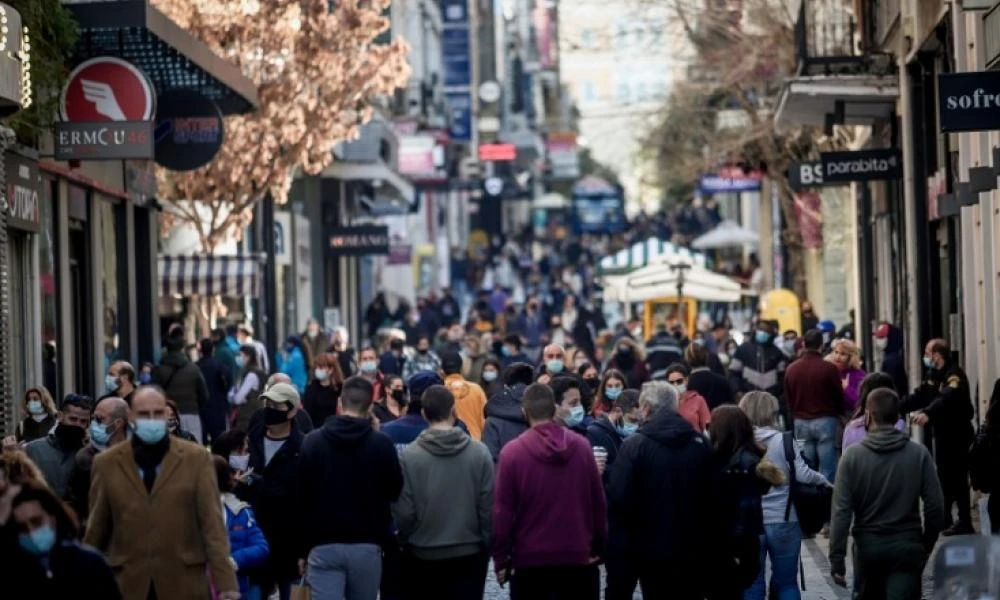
(361, 240)
(21, 198)
(15, 62)
(714, 184)
(497, 152)
(189, 130)
(460, 104)
(805, 174)
(863, 165)
(969, 101)
(107, 108)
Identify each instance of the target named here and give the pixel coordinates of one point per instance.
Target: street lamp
(680, 268)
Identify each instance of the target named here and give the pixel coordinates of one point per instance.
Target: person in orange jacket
(470, 399)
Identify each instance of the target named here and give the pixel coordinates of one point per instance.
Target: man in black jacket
(714, 388)
(658, 536)
(342, 533)
(182, 382)
(662, 350)
(609, 430)
(758, 364)
(889, 339)
(217, 379)
(504, 414)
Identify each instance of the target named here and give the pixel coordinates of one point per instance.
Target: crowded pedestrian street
(514, 300)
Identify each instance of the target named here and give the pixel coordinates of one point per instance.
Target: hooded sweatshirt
(470, 402)
(346, 455)
(504, 419)
(444, 509)
(893, 360)
(550, 509)
(880, 484)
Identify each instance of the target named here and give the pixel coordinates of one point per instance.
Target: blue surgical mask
(575, 416)
(368, 366)
(489, 376)
(150, 431)
(99, 435)
(35, 407)
(145, 378)
(928, 362)
(627, 429)
(110, 383)
(38, 542)
(554, 366)
(612, 393)
(699, 342)
(761, 337)
(322, 374)
(506, 351)
(241, 361)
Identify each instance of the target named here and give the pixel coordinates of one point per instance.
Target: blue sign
(455, 11)
(460, 105)
(713, 184)
(598, 213)
(455, 53)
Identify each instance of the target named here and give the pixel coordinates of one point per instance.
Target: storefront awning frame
(807, 100)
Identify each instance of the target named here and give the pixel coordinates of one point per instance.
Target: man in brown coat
(155, 512)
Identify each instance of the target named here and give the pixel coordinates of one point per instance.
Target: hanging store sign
(107, 109)
(360, 240)
(969, 101)
(15, 62)
(456, 61)
(878, 164)
(189, 130)
(806, 174)
(21, 198)
(715, 184)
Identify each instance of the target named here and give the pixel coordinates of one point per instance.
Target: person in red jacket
(549, 514)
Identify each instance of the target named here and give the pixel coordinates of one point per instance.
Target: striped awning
(647, 252)
(210, 275)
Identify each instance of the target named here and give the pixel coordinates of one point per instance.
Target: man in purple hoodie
(549, 515)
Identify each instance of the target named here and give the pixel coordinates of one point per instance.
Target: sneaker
(959, 529)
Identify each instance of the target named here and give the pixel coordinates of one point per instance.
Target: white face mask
(240, 462)
(322, 374)
(881, 343)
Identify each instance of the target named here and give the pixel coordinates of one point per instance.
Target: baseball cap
(419, 383)
(282, 392)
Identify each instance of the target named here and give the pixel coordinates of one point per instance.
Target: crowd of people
(679, 464)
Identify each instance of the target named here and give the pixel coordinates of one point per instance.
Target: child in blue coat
(247, 546)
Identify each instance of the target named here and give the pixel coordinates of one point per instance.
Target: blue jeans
(820, 439)
(345, 571)
(782, 541)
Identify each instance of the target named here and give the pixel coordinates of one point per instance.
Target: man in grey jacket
(444, 511)
(880, 484)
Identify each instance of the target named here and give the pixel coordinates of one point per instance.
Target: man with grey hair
(661, 494)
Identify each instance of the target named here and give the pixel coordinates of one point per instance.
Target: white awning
(207, 275)
(807, 100)
(648, 252)
(660, 281)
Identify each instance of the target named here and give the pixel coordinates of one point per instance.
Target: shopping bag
(301, 591)
(984, 515)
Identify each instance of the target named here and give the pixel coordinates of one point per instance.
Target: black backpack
(812, 502)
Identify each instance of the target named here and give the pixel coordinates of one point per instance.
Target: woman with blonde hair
(782, 536)
(39, 415)
(845, 355)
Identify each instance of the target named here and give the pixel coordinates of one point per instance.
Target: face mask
(507, 352)
(35, 407)
(110, 383)
(928, 362)
(70, 436)
(761, 337)
(145, 378)
(399, 396)
(322, 374)
(150, 431)
(592, 382)
(99, 434)
(239, 462)
(681, 388)
(624, 350)
(881, 343)
(368, 366)
(612, 393)
(313, 333)
(273, 416)
(789, 346)
(554, 366)
(241, 361)
(575, 416)
(489, 376)
(38, 542)
(628, 429)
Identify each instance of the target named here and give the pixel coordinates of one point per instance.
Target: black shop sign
(807, 174)
(969, 101)
(360, 240)
(21, 198)
(879, 164)
(189, 130)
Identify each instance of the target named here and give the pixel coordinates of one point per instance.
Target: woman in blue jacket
(247, 546)
(291, 361)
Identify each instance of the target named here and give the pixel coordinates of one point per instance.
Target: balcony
(835, 83)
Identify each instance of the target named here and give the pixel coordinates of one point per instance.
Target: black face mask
(273, 416)
(70, 436)
(592, 382)
(399, 396)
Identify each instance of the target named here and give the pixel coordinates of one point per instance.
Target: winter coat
(504, 419)
(714, 388)
(218, 379)
(247, 545)
(293, 363)
(813, 388)
(882, 484)
(271, 493)
(227, 359)
(602, 432)
(78, 485)
(852, 390)
(73, 571)
(548, 466)
(314, 346)
(662, 350)
(53, 461)
(390, 364)
(405, 430)
(320, 401)
(694, 409)
(346, 454)
(758, 367)
(472, 367)
(775, 500)
(182, 382)
(444, 510)
(30, 430)
(894, 361)
(855, 432)
(649, 520)
(419, 363)
(470, 404)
